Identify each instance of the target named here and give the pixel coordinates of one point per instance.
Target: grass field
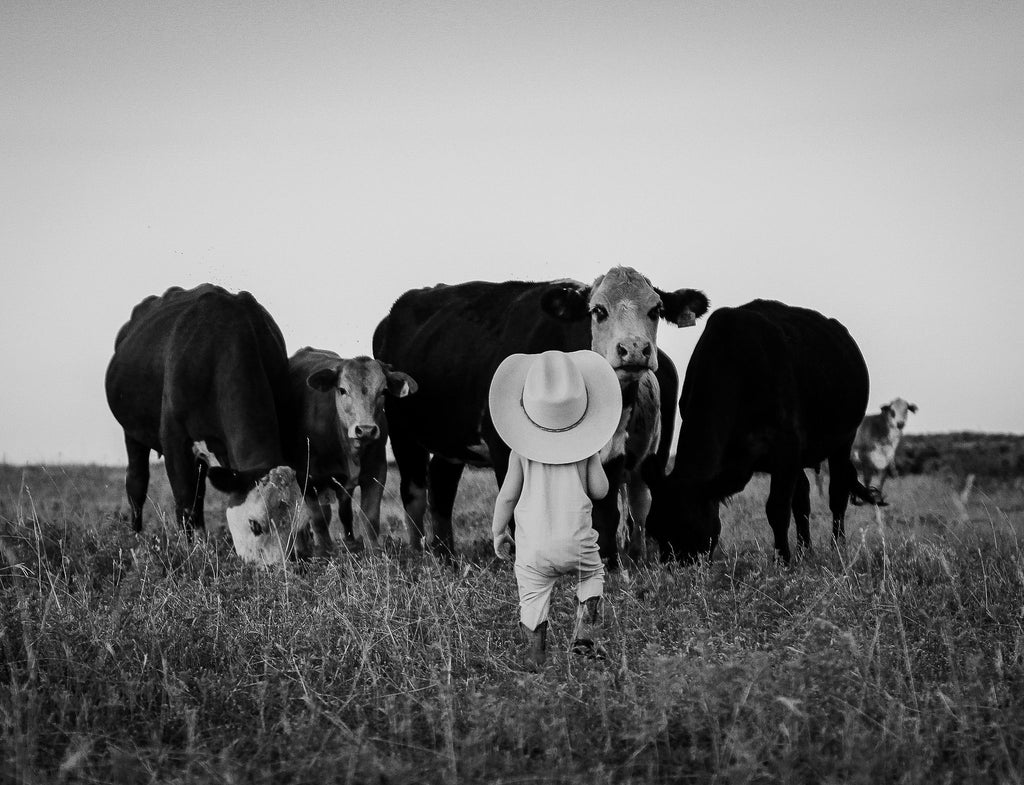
(153, 659)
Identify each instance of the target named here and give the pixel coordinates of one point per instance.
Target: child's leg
(534, 601)
(589, 594)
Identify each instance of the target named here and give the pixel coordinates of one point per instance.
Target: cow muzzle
(634, 357)
(364, 433)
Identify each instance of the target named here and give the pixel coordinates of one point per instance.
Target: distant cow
(874, 448)
(769, 388)
(339, 434)
(452, 338)
(202, 377)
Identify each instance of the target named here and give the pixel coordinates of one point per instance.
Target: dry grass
(156, 659)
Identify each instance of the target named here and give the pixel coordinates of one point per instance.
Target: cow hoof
(353, 545)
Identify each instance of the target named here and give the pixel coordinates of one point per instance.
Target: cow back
(762, 375)
(213, 362)
(451, 339)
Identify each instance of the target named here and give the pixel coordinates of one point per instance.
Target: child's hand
(503, 545)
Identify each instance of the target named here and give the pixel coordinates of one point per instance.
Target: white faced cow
(452, 338)
(339, 435)
(874, 448)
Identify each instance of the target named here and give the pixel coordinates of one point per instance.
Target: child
(555, 411)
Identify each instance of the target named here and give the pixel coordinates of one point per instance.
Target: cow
(874, 448)
(338, 435)
(201, 376)
(451, 338)
(769, 388)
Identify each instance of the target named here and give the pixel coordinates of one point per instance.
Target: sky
(863, 159)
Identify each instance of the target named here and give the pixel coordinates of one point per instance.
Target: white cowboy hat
(555, 407)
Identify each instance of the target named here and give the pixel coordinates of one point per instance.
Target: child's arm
(597, 480)
(505, 505)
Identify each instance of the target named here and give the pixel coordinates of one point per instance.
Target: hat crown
(554, 393)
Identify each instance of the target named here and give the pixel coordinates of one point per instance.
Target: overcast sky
(864, 159)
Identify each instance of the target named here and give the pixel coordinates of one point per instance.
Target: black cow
(769, 388)
(452, 338)
(204, 374)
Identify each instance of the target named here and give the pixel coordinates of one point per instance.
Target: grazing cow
(874, 448)
(452, 338)
(202, 377)
(769, 388)
(339, 434)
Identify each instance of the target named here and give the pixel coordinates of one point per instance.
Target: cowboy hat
(555, 407)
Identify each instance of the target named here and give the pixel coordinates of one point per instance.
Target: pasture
(132, 659)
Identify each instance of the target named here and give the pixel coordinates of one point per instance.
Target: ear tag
(686, 319)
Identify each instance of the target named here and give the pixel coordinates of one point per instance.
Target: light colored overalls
(554, 536)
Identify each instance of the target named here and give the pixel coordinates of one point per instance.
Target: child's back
(553, 514)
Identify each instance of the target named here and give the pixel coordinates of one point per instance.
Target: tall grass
(159, 659)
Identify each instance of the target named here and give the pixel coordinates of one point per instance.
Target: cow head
(897, 410)
(685, 524)
(268, 520)
(624, 311)
(359, 387)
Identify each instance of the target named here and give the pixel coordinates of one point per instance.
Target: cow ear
(912, 407)
(566, 300)
(683, 307)
(324, 380)
(401, 384)
(886, 408)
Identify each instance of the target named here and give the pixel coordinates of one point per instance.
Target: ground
(897, 658)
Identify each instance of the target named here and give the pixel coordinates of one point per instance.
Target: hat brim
(521, 434)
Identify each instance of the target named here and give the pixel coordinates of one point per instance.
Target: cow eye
(342, 391)
(600, 312)
(256, 527)
(655, 313)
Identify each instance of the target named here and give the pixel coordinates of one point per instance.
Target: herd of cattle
(202, 377)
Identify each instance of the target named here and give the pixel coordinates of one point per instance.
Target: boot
(536, 645)
(588, 629)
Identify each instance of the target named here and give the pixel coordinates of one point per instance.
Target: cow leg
(802, 510)
(444, 484)
(320, 514)
(371, 492)
(187, 477)
(840, 473)
(605, 514)
(136, 478)
(412, 467)
(639, 507)
(780, 502)
(345, 515)
(499, 457)
(870, 477)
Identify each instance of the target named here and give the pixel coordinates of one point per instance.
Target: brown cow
(339, 434)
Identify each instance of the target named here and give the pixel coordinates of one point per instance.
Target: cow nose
(367, 431)
(635, 348)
